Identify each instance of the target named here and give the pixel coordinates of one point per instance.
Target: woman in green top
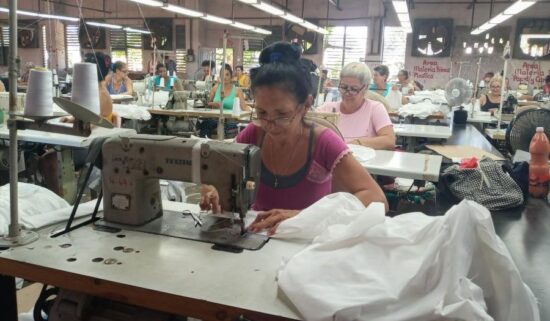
(162, 80)
(231, 92)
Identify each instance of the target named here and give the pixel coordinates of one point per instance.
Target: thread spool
(85, 90)
(39, 101)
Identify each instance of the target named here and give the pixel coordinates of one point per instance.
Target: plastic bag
(411, 267)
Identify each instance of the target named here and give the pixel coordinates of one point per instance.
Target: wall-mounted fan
(432, 37)
(458, 92)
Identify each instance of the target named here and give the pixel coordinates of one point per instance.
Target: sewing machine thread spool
(85, 86)
(39, 101)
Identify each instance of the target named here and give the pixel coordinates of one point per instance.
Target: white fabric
(38, 207)
(436, 96)
(394, 99)
(365, 266)
(362, 153)
(132, 111)
(421, 109)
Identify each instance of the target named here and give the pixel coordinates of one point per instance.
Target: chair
(325, 123)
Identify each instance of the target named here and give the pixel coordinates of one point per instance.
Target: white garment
(365, 266)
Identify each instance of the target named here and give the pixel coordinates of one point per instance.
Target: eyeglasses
(124, 71)
(279, 122)
(349, 89)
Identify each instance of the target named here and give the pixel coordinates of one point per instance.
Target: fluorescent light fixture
(535, 36)
(514, 9)
(400, 6)
(243, 26)
(269, 9)
(518, 7)
(183, 11)
(27, 13)
(403, 17)
(249, 1)
(292, 18)
(105, 25)
(262, 31)
(4, 10)
(130, 29)
(151, 3)
(216, 19)
(53, 16)
(499, 18)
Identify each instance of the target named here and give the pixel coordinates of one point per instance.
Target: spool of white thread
(39, 101)
(85, 90)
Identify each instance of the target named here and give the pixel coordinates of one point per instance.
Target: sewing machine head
(133, 165)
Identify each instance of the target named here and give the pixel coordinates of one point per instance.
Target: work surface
(199, 112)
(35, 136)
(422, 131)
(171, 274)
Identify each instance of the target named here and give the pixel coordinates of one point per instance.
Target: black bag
(488, 184)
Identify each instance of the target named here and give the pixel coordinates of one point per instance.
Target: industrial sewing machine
(133, 165)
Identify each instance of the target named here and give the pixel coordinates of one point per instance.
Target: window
(393, 54)
(127, 47)
(5, 36)
(228, 57)
(251, 59)
(72, 44)
(344, 45)
(45, 54)
(181, 60)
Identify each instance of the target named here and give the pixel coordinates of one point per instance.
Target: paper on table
(459, 152)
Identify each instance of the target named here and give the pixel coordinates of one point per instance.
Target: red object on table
(468, 163)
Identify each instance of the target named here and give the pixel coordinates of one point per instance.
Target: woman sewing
(491, 101)
(231, 92)
(118, 82)
(362, 121)
(162, 80)
(301, 162)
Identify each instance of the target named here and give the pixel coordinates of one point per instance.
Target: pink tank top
(314, 184)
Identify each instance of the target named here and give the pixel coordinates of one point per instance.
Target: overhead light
(269, 8)
(151, 3)
(216, 19)
(468, 50)
(27, 13)
(400, 6)
(53, 16)
(262, 31)
(487, 36)
(292, 18)
(535, 36)
(129, 29)
(105, 25)
(403, 17)
(518, 7)
(183, 11)
(490, 50)
(499, 18)
(514, 9)
(249, 1)
(243, 26)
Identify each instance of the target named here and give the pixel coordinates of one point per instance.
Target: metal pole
(476, 87)
(221, 122)
(14, 227)
(506, 56)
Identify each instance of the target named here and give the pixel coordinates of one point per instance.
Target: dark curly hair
(102, 61)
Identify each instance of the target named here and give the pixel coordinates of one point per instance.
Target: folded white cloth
(132, 111)
(362, 265)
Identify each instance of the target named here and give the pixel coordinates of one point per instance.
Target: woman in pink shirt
(301, 162)
(362, 121)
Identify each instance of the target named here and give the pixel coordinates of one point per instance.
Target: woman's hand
(210, 199)
(270, 220)
(213, 105)
(67, 119)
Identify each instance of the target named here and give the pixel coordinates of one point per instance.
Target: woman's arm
(129, 86)
(349, 176)
(482, 100)
(385, 139)
(242, 101)
(211, 102)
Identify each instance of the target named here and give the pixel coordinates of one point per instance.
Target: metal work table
(200, 112)
(405, 165)
(163, 273)
(422, 131)
(35, 136)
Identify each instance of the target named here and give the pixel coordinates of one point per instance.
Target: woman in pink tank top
(301, 162)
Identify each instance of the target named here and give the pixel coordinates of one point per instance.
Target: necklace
(276, 183)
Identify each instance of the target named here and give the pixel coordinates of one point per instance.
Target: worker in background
(118, 82)
(362, 121)
(25, 76)
(546, 87)
(162, 80)
(325, 82)
(206, 71)
(301, 162)
(241, 79)
(484, 83)
(381, 86)
(171, 66)
(491, 100)
(404, 84)
(2, 88)
(230, 92)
